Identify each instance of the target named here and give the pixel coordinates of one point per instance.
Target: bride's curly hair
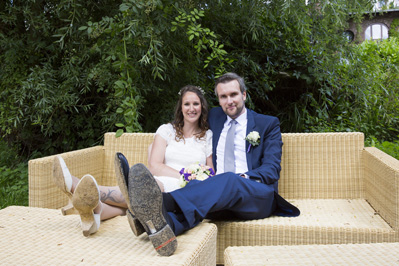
(178, 122)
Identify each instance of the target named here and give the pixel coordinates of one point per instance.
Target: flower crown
(198, 88)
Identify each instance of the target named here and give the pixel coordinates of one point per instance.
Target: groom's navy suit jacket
(264, 159)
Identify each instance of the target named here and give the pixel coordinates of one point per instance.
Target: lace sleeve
(165, 131)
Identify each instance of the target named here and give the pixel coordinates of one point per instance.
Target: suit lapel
(250, 127)
(217, 130)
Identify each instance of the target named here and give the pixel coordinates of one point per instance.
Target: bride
(187, 140)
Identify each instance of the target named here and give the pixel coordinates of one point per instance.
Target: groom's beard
(234, 112)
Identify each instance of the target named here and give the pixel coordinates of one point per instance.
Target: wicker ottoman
(347, 254)
(38, 236)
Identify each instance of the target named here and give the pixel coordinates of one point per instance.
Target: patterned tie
(229, 160)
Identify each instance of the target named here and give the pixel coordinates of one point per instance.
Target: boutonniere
(253, 139)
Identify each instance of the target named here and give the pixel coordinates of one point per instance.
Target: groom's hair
(229, 77)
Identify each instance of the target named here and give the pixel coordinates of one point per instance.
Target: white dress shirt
(239, 145)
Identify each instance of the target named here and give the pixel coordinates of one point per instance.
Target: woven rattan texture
(382, 183)
(42, 189)
(351, 254)
(328, 221)
(134, 146)
(37, 236)
(322, 166)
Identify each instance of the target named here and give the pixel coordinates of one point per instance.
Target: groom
(246, 184)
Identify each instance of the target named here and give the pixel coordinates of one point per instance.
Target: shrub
(391, 148)
(14, 189)
(13, 178)
(357, 93)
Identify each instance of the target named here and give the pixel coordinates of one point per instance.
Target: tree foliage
(55, 94)
(360, 92)
(72, 69)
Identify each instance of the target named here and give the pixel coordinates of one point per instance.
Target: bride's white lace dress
(181, 154)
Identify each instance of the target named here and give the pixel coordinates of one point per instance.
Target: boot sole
(85, 199)
(146, 202)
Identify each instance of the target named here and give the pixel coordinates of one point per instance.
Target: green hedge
(14, 187)
(391, 148)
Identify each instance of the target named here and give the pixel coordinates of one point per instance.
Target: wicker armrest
(381, 173)
(42, 190)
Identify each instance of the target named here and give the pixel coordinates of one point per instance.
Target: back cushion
(322, 165)
(133, 145)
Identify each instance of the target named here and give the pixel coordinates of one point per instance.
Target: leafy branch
(204, 40)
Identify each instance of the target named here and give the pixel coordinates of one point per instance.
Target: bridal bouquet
(195, 171)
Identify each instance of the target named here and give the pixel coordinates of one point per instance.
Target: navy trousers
(228, 192)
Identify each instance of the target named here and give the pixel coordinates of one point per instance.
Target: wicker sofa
(346, 193)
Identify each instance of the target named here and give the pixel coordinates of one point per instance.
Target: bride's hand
(209, 164)
(211, 169)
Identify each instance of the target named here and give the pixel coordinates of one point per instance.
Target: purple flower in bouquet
(195, 171)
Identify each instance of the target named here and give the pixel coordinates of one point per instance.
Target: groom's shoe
(122, 174)
(145, 199)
